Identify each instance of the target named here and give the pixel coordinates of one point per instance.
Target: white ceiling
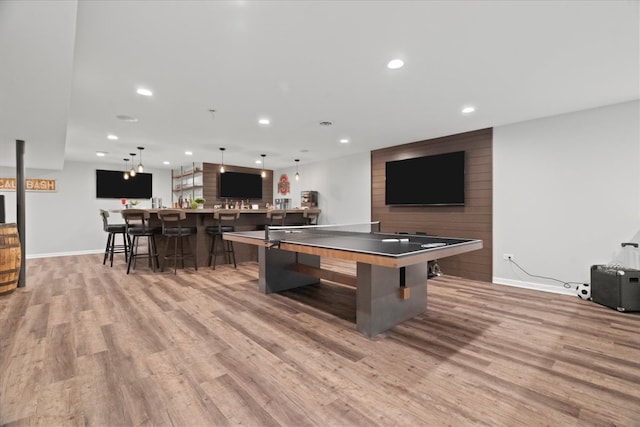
(69, 68)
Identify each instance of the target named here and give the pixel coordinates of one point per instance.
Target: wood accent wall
(212, 188)
(473, 220)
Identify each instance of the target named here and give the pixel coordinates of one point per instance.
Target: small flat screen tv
(111, 185)
(436, 180)
(240, 185)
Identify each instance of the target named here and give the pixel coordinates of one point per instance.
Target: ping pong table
(391, 269)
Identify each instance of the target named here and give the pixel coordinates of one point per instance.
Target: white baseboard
(57, 254)
(556, 289)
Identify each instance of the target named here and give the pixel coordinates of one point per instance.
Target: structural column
(20, 209)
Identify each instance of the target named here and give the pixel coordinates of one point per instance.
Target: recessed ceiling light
(264, 121)
(112, 137)
(166, 162)
(394, 64)
(144, 92)
(101, 153)
(189, 153)
(344, 141)
(468, 109)
(126, 118)
(258, 162)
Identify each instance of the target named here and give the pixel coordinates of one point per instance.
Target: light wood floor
(85, 344)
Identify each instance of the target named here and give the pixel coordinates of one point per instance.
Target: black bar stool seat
(138, 226)
(225, 222)
(276, 216)
(174, 229)
(113, 230)
(311, 216)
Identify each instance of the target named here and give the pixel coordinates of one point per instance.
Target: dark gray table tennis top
(382, 244)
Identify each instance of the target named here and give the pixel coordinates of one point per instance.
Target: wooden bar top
(211, 211)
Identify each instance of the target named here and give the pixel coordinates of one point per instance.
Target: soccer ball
(584, 291)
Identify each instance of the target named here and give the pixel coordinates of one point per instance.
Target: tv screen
(240, 185)
(111, 185)
(429, 180)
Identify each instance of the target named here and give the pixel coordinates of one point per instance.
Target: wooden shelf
(190, 187)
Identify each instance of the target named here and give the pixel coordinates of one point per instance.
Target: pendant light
(132, 171)
(140, 167)
(222, 160)
(263, 173)
(297, 174)
(126, 169)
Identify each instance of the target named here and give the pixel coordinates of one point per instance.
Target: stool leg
(113, 245)
(232, 252)
(150, 260)
(194, 248)
(106, 249)
(166, 254)
(212, 246)
(136, 242)
(175, 256)
(215, 237)
(126, 247)
(132, 256)
(225, 249)
(155, 262)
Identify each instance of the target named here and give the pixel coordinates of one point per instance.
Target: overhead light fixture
(101, 153)
(394, 64)
(263, 173)
(297, 174)
(222, 159)
(126, 118)
(140, 166)
(112, 137)
(144, 92)
(344, 141)
(264, 121)
(258, 162)
(468, 109)
(166, 162)
(188, 153)
(132, 171)
(125, 175)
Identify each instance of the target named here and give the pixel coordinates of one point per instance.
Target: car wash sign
(30, 184)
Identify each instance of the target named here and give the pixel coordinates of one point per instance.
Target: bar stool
(138, 226)
(311, 216)
(225, 221)
(172, 228)
(276, 217)
(113, 230)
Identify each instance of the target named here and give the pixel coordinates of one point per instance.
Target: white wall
(67, 221)
(343, 186)
(566, 194)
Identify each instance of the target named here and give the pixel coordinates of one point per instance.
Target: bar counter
(250, 219)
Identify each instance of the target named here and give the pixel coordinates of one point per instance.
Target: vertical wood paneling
(212, 188)
(473, 220)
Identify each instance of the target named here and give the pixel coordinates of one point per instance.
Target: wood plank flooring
(85, 344)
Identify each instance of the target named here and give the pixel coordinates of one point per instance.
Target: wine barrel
(10, 257)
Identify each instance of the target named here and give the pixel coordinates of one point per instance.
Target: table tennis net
(276, 233)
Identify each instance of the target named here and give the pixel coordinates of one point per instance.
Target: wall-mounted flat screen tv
(111, 185)
(426, 181)
(240, 185)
